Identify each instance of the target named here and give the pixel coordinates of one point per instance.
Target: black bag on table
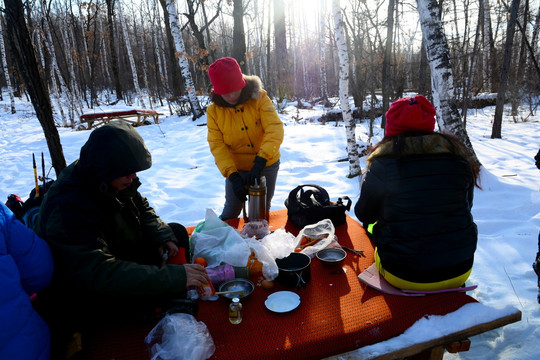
(309, 204)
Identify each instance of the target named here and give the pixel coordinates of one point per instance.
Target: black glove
(238, 186)
(255, 173)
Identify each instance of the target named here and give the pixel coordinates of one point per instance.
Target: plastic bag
(280, 243)
(270, 269)
(218, 243)
(257, 229)
(180, 337)
(323, 232)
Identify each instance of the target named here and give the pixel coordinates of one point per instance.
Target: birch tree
(442, 78)
(350, 125)
(6, 70)
(182, 59)
(130, 55)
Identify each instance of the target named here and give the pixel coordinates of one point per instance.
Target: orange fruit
(200, 261)
(267, 284)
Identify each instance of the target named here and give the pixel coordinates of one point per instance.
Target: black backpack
(309, 204)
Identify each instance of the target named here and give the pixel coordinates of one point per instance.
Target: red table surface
(337, 312)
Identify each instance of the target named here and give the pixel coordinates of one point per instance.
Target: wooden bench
(135, 117)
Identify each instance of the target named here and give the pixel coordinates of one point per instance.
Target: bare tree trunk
(104, 56)
(386, 61)
(269, 76)
(55, 69)
(470, 73)
(68, 45)
(350, 125)
(6, 70)
(505, 71)
(258, 42)
(27, 64)
(198, 34)
(536, 30)
(424, 74)
(322, 51)
(442, 79)
(112, 47)
(517, 84)
(182, 60)
(143, 57)
(130, 55)
(489, 61)
(239, 36)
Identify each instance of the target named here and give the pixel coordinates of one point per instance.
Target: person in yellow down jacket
(244, 133)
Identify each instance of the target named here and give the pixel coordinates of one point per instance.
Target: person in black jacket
(419, 193)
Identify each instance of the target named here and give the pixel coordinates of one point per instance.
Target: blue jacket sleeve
(31, 253)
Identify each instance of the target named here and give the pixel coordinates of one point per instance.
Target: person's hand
(196, 275)
(255, 173)
(238, 186)
(170, 247)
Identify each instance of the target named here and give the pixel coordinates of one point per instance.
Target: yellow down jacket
(236, 134)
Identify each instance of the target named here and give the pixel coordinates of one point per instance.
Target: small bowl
(237, 284)
(331, 256)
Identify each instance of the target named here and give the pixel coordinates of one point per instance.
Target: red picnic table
(135, 117)
(337, 315)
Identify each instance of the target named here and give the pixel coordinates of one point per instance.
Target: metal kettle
(257, 201)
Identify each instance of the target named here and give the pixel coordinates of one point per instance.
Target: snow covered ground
(184, 181)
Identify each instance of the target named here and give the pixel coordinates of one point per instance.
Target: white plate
(282, 301)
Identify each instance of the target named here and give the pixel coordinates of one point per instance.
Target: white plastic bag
(280, 243)
(323, 230)
(180, 337)
(218, 243)
(270, 269)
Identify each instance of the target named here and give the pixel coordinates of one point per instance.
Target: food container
(294, 270)
(331, 256)
(236, 288)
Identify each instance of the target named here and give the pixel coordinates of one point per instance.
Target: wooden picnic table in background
(135, 117)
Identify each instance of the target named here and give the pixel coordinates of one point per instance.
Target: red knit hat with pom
(414, 113)
(226, 76)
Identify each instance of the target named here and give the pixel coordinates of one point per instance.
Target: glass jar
(235, 313)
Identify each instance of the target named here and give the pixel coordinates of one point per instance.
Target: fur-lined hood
(252, 90)
(434, 143)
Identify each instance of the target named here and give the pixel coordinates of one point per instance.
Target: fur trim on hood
(252, 90)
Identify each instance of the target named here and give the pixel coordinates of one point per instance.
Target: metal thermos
(257, 200)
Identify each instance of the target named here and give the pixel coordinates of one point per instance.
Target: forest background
(101, 52)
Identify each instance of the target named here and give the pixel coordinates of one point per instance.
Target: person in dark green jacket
(107, 242)
(419, 193)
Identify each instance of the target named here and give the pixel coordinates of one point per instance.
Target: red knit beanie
(226, 76)
(414, 113)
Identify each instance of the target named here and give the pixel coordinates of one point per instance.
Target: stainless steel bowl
(331, 256)
(243, 286)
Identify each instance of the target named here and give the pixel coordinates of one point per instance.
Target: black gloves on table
(255, 173)
(238, 186)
